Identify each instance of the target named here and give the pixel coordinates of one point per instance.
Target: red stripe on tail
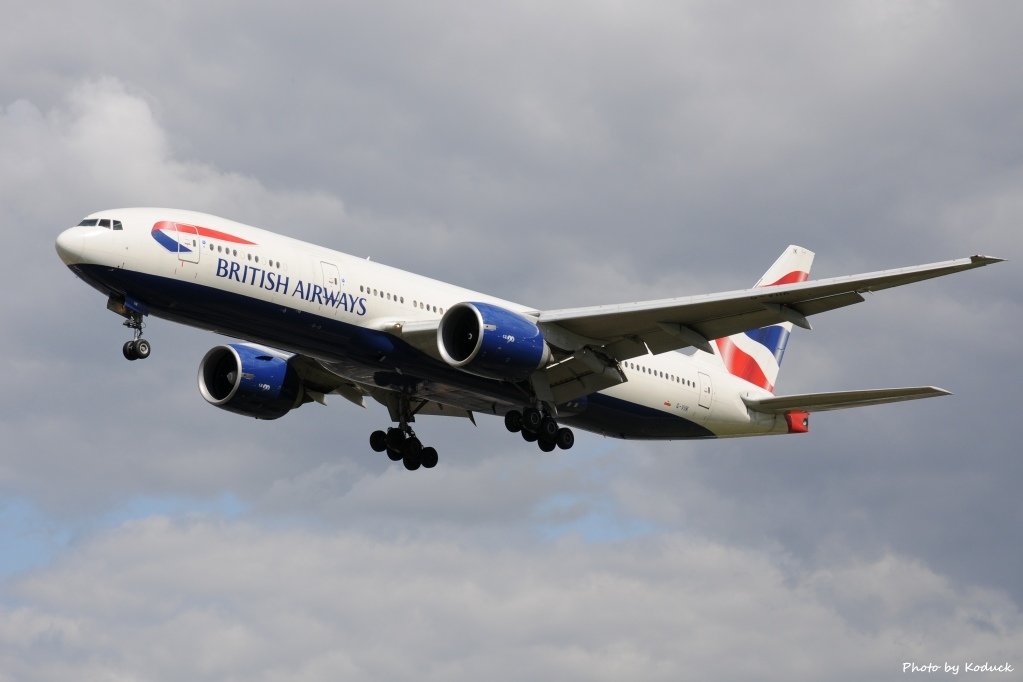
(791, 278)
(741, 364)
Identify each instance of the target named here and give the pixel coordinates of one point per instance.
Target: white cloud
(164, 600)
(573, 154)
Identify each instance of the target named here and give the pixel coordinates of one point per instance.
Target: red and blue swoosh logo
(165, 233)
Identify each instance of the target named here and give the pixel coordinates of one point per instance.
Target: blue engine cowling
(490, 341)
(250, 381)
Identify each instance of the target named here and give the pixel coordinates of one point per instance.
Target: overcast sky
(555, 154)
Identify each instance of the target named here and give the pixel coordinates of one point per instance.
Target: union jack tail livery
(755, 355)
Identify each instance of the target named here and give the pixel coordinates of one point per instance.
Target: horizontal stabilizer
(840, 400)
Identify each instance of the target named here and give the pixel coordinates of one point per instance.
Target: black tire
(548, 429)
(128, 349)
(529, 436)
(412, 447)
(531, 419)
(565, 438)
(395, 439)
(546, 445)
(378, 441)
(411, 462)
(513, 421)
(142, 349)
(428, 458)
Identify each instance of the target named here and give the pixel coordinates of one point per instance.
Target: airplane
(313, 321)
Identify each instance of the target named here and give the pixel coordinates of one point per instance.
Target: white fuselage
(347, 312)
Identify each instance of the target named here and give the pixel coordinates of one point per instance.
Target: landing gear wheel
(513, 421)
(412, 461)
(142, 349)
(401, 442)
(428, 458)
(412, 447)
(378, 441)
(529, 436)
(564, 439)
(395, 439)
(531, 419)
(547, 445)
(548, 429)
(138, 348)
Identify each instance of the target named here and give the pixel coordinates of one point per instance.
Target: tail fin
(756, 355)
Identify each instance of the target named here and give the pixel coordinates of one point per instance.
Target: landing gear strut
(401, 443)
(536, 426)
(138, 348)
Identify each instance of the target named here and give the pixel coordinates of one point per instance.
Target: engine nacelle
(249, 381)
(490, 341)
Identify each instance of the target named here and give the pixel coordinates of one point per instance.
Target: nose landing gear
(138, 348)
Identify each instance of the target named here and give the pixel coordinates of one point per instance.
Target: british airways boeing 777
(316, 321)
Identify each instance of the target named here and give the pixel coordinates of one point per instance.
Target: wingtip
(985, 260)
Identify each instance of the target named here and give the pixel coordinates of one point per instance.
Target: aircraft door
(188, 243)
(706, 390)
(331, 276)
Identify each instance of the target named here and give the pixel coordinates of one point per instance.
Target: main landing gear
(138, 348)
(540, 428)
(401, 443)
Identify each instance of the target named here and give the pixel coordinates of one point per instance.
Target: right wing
(623, 330)
(591, 341)
(597, 338)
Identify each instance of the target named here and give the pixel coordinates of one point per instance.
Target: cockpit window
(108, 223)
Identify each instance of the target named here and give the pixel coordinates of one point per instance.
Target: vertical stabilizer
(756, 355)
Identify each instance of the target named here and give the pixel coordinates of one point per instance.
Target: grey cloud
(171, 600)
(577, 155)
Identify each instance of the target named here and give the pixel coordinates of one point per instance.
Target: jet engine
(490, 341)
(250, 381)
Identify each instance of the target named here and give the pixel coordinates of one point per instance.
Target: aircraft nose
(69, 246)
